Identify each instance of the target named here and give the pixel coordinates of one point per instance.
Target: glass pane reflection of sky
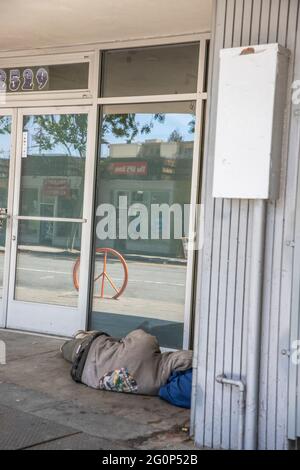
(5, 123)
(160, 130)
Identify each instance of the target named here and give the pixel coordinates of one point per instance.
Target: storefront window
(45, 78)
(150, 71)
(142, 206)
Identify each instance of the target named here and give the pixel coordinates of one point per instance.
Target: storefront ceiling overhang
(35, 24)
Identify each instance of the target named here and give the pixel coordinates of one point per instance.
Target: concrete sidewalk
(42, 408)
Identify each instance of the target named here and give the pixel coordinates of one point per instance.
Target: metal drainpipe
(222, 379)
(254, 324)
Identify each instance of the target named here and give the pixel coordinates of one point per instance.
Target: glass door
(51, 221)
(7, 143)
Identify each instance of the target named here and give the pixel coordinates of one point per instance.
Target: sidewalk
(42, 408)
(40, 250)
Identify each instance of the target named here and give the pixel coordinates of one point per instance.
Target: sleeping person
(134, 364)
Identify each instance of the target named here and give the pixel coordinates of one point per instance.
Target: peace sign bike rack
(104, 277)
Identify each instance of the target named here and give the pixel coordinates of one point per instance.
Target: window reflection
(53, 165)
(5, 141)
(46, 256)
(146, 157)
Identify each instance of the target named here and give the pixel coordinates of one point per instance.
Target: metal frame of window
(16, 98)
(89, 97)
(8, 240)
(199, 97)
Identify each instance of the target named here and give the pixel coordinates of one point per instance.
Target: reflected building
(153, 172)
(53, 185)
(57, 193)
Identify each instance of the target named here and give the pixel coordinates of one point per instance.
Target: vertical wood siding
(222, 299)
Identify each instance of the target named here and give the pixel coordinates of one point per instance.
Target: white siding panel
(273, 273)
(223, 395)
(204, 294)
(224, 271)
(293, 227)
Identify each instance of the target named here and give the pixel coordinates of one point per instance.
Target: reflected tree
(68, 131)
(5, 124)
(127, 126)
(175, 136)
(192, 126)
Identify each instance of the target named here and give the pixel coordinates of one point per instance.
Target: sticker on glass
(42, 77)
(2, 80)
(14, 80)
(28, 80)
(24, 144)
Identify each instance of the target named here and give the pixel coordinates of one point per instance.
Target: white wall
(222, 296)
(34, 24)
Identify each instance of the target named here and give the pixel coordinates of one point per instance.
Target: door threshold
(32, 333)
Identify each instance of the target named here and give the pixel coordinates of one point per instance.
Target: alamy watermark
(296, 92)
(2, 353)
(295, 355)
(139, 221)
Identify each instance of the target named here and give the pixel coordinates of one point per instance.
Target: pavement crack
(47, 441)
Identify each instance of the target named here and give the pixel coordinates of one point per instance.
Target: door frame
(10, 193)
(40, 317)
